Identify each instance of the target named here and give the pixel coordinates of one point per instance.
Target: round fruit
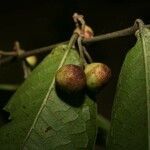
(97, 74)
(71, 78)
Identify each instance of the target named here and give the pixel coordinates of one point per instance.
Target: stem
(9, 87)
(103, 123)
(103, 129)
(116, 34)
(81, 51)
(87, 55)
(26, 69)
(8, 53)
(72, 40)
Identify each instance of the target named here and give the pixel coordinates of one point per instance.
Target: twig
(103, 126)
(26, 69)
(116, 34)
(9, 87)
(120, 33)
(41, 50)
(31, 52)
(8, 53)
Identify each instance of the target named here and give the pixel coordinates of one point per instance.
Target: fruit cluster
(73, 78)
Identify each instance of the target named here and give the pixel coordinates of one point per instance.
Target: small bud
(31, 60)
(70, 78)
(87, 33)
(97, 74)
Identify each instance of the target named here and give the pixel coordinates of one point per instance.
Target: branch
(116, 34)
(8, 53)
(9, 87)
(120, 33)
(41, 50)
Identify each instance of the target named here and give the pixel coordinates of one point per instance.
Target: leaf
(41, 120)
(130, 128)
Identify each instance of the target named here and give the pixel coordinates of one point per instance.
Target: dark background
(42, 23)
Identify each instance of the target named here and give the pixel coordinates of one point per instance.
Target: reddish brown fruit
(71, 78)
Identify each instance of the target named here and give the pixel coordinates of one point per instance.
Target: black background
(41, 23)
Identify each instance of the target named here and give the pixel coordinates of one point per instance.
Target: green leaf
(40, 119)
(130, 128)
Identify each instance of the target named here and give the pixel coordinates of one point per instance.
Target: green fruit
(70, 78)
(97, 74)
